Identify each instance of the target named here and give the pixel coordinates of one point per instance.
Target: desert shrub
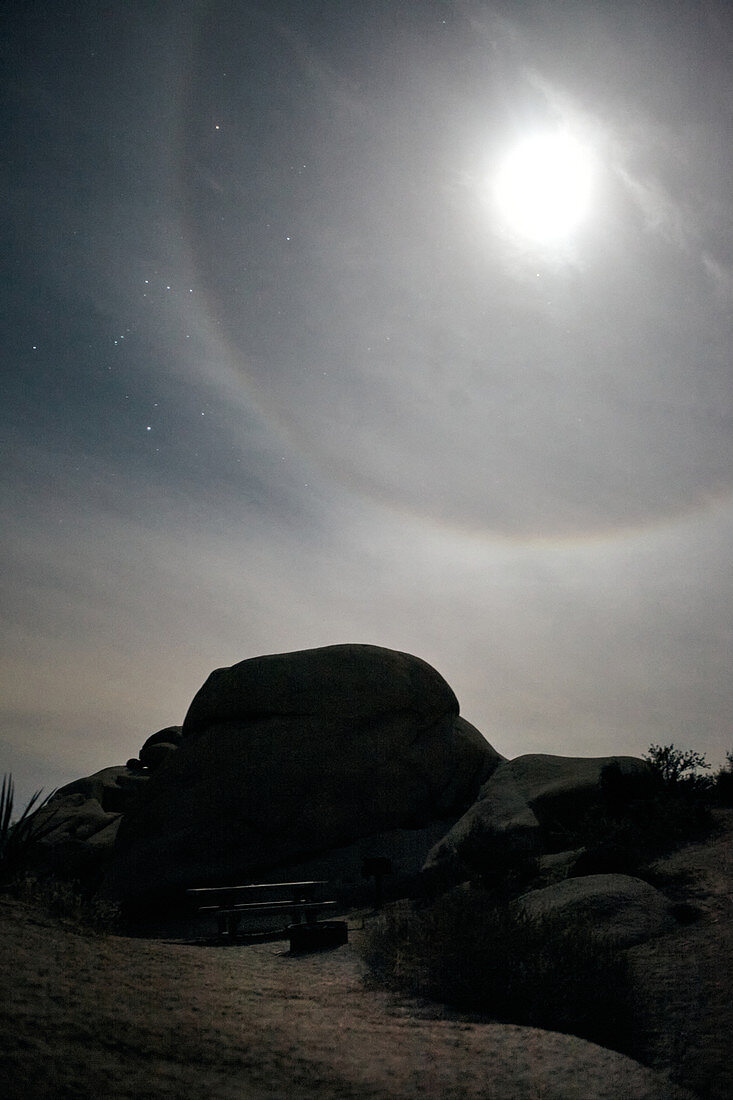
(724, 782)
(679, 769)
(639, 818)
(622, 845)
(463, 951)
(17, 838)
(69, 902)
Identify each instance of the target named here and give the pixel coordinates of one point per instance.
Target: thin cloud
(721, 276)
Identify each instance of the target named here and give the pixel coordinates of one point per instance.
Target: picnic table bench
(223, 902)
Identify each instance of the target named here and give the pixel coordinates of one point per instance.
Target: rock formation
(312, 761)
(523, 806)
(79, 823)
(290, 755)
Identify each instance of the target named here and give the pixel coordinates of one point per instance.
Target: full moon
(543, 186)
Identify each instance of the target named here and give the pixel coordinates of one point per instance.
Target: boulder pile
(305, 764)
(291, 755)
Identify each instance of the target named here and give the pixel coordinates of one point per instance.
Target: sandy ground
(111, 1017)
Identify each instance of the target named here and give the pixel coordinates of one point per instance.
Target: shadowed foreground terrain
(85, 1016)
(125, 1018)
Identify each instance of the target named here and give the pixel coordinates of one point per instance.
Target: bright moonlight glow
(543, 187)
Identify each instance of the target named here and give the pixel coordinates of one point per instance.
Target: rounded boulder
(622, 908)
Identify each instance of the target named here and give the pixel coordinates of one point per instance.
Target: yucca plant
(17, 837)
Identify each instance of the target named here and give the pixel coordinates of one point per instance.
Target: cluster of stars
(168, 286)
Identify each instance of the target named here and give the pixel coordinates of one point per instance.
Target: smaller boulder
(621, 908)
(171, 735)
(78, 825)
(73, 817)
(521, 808)
(104, 786)
(559, 865)
(160, 746)
(155, 755)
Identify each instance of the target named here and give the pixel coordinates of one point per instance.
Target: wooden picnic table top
(255, 886)
(267, 906)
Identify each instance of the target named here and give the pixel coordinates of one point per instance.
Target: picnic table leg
(228, 924)
(299, 911)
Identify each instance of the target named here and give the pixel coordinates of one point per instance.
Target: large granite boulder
(523, 807)
(621, 908)
(348, 682)
(290, 755)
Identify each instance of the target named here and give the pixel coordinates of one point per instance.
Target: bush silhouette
(70, 903)
(724, 782)
(679, 769)
(641, 817)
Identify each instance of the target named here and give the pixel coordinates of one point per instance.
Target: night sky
(282, 369)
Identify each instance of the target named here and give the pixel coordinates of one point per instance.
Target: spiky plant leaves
(18, 837)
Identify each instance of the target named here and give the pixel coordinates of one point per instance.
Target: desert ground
(110, 1016)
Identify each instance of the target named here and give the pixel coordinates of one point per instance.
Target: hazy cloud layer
(278, 377)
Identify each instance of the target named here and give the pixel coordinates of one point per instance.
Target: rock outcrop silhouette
(287, 756)
(523, 806)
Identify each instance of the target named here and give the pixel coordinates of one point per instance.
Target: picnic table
(230, 904)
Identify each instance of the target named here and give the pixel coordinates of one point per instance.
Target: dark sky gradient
(276, 374)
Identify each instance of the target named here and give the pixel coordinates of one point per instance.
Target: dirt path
(120, 1018)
